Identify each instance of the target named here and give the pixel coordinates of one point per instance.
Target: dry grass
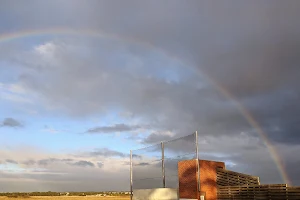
(69, 198)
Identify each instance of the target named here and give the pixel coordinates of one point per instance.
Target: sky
(84, 82)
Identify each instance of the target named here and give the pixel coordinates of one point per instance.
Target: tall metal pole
(197, 160)
(131, 175)
(163, 164)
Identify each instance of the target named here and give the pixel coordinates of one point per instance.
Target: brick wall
(187, 170)
(187, 173)
(208, 178)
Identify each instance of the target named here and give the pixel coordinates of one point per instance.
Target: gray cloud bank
(113, 129)
(10, 122)
(51, 161)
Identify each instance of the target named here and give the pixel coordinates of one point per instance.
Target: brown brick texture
(208, 178)
(187, 173)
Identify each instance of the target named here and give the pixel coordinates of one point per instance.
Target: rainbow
(101, 34)
(250, 119)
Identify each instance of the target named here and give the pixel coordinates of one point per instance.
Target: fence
(157, 166)
(231, 178)
(258, 192)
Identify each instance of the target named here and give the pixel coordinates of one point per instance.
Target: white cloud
(53, 130)
(16, 92)
(13, 88)
(47, 49)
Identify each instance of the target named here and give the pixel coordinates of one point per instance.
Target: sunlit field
(69, 198)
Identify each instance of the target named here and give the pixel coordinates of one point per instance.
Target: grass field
(69, 198)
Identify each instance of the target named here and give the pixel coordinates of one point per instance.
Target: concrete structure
(156, 194)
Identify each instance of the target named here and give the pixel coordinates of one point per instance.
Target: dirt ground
(69, 198)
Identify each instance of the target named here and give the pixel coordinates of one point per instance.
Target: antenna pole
(131, 193)
(163, 164)
(197, 160)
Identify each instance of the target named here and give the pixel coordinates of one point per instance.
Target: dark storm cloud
(67, 160)
(143, 164)
(293, 171)
(259, 67)
(114, 128)
(45, 162)
(83, 163)
(157, 137)
(11, 161)
(49, 161)
(29, 162)
(100, 164)
(251, 55)
(251, 45)
(136, 156)
(248, 56)
(107, 153)
(10, 122)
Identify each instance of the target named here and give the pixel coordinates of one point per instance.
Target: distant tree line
(49, 193)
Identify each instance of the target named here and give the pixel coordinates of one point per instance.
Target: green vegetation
(16, 195)
(49, 193)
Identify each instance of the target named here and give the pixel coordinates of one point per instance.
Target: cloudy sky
(83, 82)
